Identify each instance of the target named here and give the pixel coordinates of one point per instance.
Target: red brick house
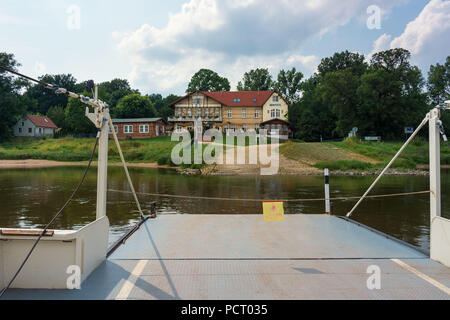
(139, 128)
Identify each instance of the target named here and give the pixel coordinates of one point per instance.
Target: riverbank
(36, 164)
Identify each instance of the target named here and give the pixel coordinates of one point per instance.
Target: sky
(159, 45)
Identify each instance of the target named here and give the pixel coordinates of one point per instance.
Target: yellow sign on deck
(273, 211)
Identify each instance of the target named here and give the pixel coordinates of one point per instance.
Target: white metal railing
(191, 119)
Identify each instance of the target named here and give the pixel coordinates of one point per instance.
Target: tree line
(379, 97)
(19, 97)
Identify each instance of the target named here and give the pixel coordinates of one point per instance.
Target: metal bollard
(327, 192)
(153, 210)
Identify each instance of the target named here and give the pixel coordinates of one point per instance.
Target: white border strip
(129, 283)
(423, 276)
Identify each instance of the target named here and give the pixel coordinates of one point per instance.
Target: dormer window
(236, 100)
(254, 99)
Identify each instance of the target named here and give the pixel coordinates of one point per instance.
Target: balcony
(192, 119)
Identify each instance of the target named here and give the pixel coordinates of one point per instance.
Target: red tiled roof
(45, 122)
(246, 97)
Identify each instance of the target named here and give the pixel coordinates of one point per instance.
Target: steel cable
(163, 195)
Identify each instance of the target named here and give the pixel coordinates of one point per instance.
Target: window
(230, 114)
(197, 100)
(236, 100)
(275, 99)
(207, 113)
(128, 129)
(29, 130)
(256, 114)
(256, 127)
(189, 113)
(233, 127)
(272, 113)
(244, 113)
(217, 113)
(278, 113)
(116, 129)
(244, 127)
(20, 130)
(40, 130)
(179, 113)
(143, 128)
(254, 99)
(199, 113)
(45, 120)
(23, 124)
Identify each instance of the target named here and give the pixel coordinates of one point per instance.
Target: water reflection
(29, 198)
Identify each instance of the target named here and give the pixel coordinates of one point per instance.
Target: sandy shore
(32, 164)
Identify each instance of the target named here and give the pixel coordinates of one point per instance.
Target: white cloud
(231, 37)
(426, 37)
(381, 44)
(5, 19)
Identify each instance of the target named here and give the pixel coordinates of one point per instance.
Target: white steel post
(435, 165)
(327, 192)
(102, 171)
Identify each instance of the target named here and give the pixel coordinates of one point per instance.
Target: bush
(163, 160)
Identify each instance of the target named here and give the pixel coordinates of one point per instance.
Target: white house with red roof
(35, 126)
(235, 111)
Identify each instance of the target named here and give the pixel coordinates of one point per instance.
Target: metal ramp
(242, 257)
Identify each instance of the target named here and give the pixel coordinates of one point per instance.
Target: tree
(46, 98)
(75, 118)
(391, 60)
(341, 61)
(256, 80)
(135, 106)
(114, 90)
(338, 90)
(311, 117)
(289, 84)
(340, 77)
(12, 104)
(391, 95)
(208, 80)
(58, 116)
(166, 111)
(439, 82)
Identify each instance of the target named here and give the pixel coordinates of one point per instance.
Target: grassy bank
(350, 154)
(154, 150)
(353, 154)
(75, 149)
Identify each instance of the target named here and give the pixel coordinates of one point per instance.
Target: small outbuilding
(35, 126)
(274, 125)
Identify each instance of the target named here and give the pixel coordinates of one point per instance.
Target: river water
(30, 198)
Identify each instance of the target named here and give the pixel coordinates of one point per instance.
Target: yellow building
(237, 111)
